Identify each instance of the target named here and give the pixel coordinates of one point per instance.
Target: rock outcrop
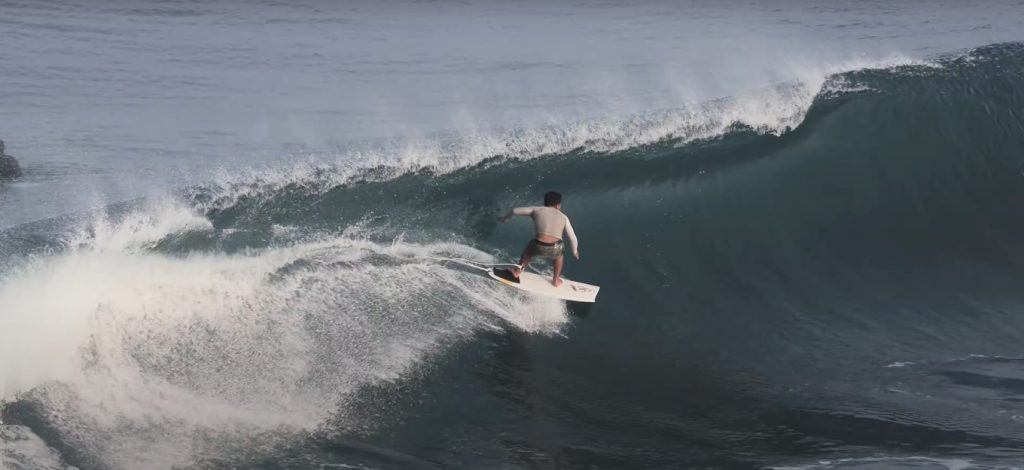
(9, 167)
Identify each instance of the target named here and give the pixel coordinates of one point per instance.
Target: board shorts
(540, 249)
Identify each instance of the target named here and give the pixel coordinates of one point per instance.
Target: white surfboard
(536, 284)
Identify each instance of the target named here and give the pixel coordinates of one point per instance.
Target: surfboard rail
(571, 291)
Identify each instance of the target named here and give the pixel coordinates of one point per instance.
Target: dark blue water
(804, 219)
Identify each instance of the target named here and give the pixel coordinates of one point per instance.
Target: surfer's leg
(557, 279)
(524, 260)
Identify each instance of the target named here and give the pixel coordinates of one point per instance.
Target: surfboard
(541, 285)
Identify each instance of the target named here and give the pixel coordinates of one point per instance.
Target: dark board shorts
(545, 250)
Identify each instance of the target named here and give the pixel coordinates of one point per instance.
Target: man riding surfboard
(549, 223)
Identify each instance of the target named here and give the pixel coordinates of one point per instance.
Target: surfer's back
(548, 220)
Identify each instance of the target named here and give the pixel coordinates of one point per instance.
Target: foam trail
(881, 462)
(22, 449)
(149, 360)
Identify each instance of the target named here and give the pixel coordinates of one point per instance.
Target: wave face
(758, 278)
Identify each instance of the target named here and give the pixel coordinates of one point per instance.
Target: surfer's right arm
(572, 238)
(516, 211)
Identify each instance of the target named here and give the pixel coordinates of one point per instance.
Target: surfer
(549, 223)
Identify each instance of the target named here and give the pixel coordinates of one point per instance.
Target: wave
(259, 305)
(893, 164)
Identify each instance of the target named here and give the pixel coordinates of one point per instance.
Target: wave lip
(769, 110)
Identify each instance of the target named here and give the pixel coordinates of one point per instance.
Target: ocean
(805, 219)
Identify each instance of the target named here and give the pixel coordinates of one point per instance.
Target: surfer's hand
(576, 254)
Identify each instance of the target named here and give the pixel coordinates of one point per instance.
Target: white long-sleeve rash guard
(550, 221)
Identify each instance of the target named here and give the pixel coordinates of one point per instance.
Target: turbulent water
(232, 259)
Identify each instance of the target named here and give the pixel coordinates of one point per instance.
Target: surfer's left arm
(516, 211)
(572, 238)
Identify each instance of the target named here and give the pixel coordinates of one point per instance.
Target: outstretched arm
(572, 238)
(516, 211)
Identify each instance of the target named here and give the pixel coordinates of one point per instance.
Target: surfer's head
(552, 199)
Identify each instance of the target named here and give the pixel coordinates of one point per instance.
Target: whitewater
(224, 250)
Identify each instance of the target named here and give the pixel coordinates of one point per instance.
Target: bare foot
(556, 282)
(515, 272)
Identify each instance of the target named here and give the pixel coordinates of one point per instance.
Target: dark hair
(552, 198)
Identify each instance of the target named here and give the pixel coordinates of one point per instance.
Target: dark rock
(9, 167)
